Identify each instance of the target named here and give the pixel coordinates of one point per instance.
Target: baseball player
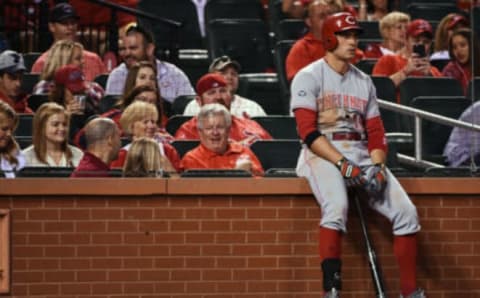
(344, 147)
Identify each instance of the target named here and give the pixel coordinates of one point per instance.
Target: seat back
(279, 127)
(211, 173)
(29, 80)
(25, 125)
(194, 62)
(38, 172)
(280, 55)
(108, 102)
(183, 146)
(179, 104)
(101, 80)
(371, 30)
(473, 91)
(386, 91)
(277, 153)
(275, 14)
(265, 90)
(435, 135)
(243, 40)
(291, 29)
(30, 58)
(36, 100)
(366, 65)
(183, 11)
(175, 122)
(235, 9)
(433, 11)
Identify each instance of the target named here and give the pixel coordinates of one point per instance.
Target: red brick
(143, 214)
(231, 287)
(60, 251)
(277, 225)
(39, 239)
(108, 288)
(106, 238)
(231, 213)
(92, 276)
(262, 286)
(28, 277)
(43, 289)
(138, 263)
(122, 226)
(221, 225)
(261, 213)
(42, 264)
(230, 237)
(289, 237)
(231, 262)
(75, 288)
(92, 251)
(246, 202)
(468, 236)
(283, 202)
(77, 238)
(60, 276)
(184, 202)
(261, 237)
(199, 238)
(201, 287)
(456, 225)
(75, 214)
(216, 250)
(246, 250)
(441, 212)
(43, 214)
(184, 226)
(170, 287)
(170, 262)
(278, 274)
(139, 288)
(106, 214)
(199, 262)
(191, 250)
(154, 250)
(169, 213)
(138, 238)
(202, 213)
(106, 263)
(216, 274)
(119, 202)
(262, 262)
(153, 226)
(246, 225)
(91, 226)
(190, 275)
(71, 264)
(28, 227)
(97, 202)
(277, 249)
(170, 238)
(123, 275)
(123, 250)
(247, 274)
(63, 227)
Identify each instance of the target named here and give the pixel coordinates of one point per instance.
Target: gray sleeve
(304, 91)
(372, 110)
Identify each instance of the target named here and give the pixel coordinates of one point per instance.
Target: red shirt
(169, 150)
(390, 64)
(93, 65)
(203, 158)
(20, 106)
(306, 50)
(242, 130)
(90, 166)
(460, 72)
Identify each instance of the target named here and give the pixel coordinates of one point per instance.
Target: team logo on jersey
(302, 93)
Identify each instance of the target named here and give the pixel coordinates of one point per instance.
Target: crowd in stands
(74, 129)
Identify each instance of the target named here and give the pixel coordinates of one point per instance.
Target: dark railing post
(113, 31)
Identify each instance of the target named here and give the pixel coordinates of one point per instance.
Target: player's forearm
(378, 156)
(323, 148)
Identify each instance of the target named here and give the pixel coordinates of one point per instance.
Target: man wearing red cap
(409, 62)
(212, 88)
(215, 151)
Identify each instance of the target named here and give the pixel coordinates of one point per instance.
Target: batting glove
(352, 173)
(376, 179)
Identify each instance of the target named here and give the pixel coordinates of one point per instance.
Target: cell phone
(419, 49)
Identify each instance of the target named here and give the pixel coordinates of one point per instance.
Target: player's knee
(406, 220)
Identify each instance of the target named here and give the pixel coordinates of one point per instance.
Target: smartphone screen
(419, 49)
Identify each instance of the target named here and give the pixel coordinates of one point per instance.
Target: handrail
(419, 114)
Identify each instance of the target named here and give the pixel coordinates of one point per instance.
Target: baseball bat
(377, 276)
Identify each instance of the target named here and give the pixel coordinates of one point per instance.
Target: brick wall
(222, 246)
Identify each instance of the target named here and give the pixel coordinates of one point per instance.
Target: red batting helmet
(336, 23)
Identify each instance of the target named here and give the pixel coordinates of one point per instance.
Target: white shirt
(32, 160)
(172, 81)
(200, 5)
(240, 107)
(440, 55)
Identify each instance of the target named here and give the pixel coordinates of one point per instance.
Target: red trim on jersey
(306, 121)
(376, 134)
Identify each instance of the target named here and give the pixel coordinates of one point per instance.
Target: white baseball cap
(11, 62)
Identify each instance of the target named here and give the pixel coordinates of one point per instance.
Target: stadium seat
(280, 55)
(428, 86)
(183, 146)
(175, 122)
(265, 90)
(29, 80)
(25, 125)
(38, 172)
(366, 65)
(371, 30)
(277, 153)
(243, 40)
(439, 63)
(179, 104)
(30, 58)
(235, 9)
(194, 62)
(386, 91)
(226, 173)
(36, 100)
(183, 11)
(291, 29)
(435, 135)
(101, 80)
(451, 172)
(473, 91)
(430, 11)
(107, 103)
(279, 127)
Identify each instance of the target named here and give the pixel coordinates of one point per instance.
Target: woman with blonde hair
(50, 146)
(11, 158)
(140, 120)
(144, 159)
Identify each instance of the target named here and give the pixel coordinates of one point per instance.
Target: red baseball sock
(329, 243)
(405, 249)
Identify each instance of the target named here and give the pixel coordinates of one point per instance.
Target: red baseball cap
(71, 76)
(210, 81)
(418, 27)
(456, 20)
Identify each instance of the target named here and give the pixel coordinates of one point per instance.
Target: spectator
(215, 151)
(50, 146)
(11, 72)
(212, 88)
(70, 91)
(464, 144)
(408, 63)
(298, 8)
(445, 28)
(103, 144)
(240, 106)
(65, 52)
(464, 51)
(310, 48)
(144, 159)
(63, 21)
(140, 46)
(11, 158)
(393, 28)
(373, 10)
(141, 73)
(140, 120)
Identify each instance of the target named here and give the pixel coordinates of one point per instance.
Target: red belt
(345, 136)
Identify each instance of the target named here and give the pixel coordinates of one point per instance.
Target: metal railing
(418, 116)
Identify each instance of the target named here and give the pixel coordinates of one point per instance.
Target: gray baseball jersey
(344, 103)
